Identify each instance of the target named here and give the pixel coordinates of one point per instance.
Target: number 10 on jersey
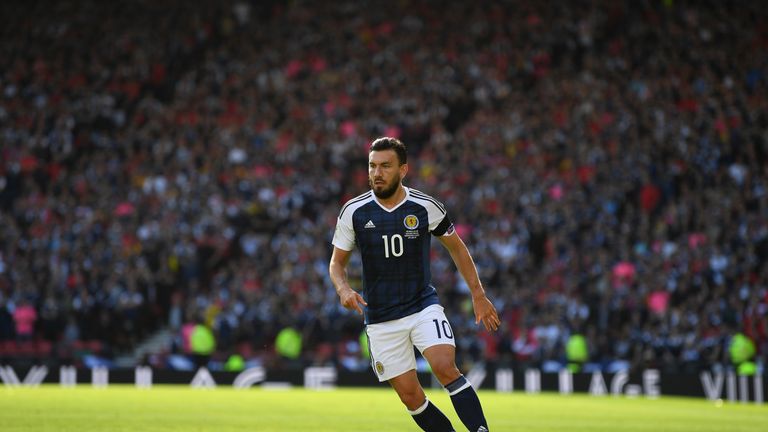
(394, 244)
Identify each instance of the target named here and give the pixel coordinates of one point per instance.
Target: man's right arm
(337, 269)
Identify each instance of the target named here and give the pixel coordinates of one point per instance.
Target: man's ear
(403, 170)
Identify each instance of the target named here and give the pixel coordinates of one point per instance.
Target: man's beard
(386, 192)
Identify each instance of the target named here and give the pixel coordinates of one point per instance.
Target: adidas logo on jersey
(482, 429)
(370, 224)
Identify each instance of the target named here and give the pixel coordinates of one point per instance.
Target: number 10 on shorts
(445, 327)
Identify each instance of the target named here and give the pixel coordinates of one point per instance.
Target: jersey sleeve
(439, 222)
(344, 236)
(444, 228)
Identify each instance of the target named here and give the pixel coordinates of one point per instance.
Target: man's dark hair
(388, 143)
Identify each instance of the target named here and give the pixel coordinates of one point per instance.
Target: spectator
(202, 344)
(24, 316)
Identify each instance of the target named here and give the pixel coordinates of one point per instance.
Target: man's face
(385, 172)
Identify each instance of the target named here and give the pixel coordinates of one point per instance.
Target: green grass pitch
(181, 408)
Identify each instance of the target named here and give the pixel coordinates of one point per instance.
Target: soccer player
(391, 225)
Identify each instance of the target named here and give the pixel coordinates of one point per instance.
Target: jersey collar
(405, 198)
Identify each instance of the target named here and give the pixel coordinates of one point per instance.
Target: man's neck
(395, 199)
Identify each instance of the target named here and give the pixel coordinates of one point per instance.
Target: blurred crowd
(182, 164)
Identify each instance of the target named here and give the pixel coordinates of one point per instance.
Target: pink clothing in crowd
(25, 317)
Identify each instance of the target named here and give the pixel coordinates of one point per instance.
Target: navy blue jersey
(394, 246)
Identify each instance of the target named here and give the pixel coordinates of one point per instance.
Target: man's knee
(409, 390)
(412, 398)
(445, 370)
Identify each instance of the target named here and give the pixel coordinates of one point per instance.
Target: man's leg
(442, 360)
(425, 413)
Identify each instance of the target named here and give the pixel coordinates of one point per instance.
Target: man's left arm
(484, 309)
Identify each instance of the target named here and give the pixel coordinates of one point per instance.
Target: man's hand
(484, 309)
(348, 297)
(352, 300)
(485, 312)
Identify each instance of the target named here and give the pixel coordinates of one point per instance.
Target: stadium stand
(163, 164)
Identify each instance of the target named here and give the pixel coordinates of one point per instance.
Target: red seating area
(38, 349)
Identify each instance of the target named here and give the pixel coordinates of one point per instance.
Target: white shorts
(391, 342)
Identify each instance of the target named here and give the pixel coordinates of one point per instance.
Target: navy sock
(431, 419)
(467, 404)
